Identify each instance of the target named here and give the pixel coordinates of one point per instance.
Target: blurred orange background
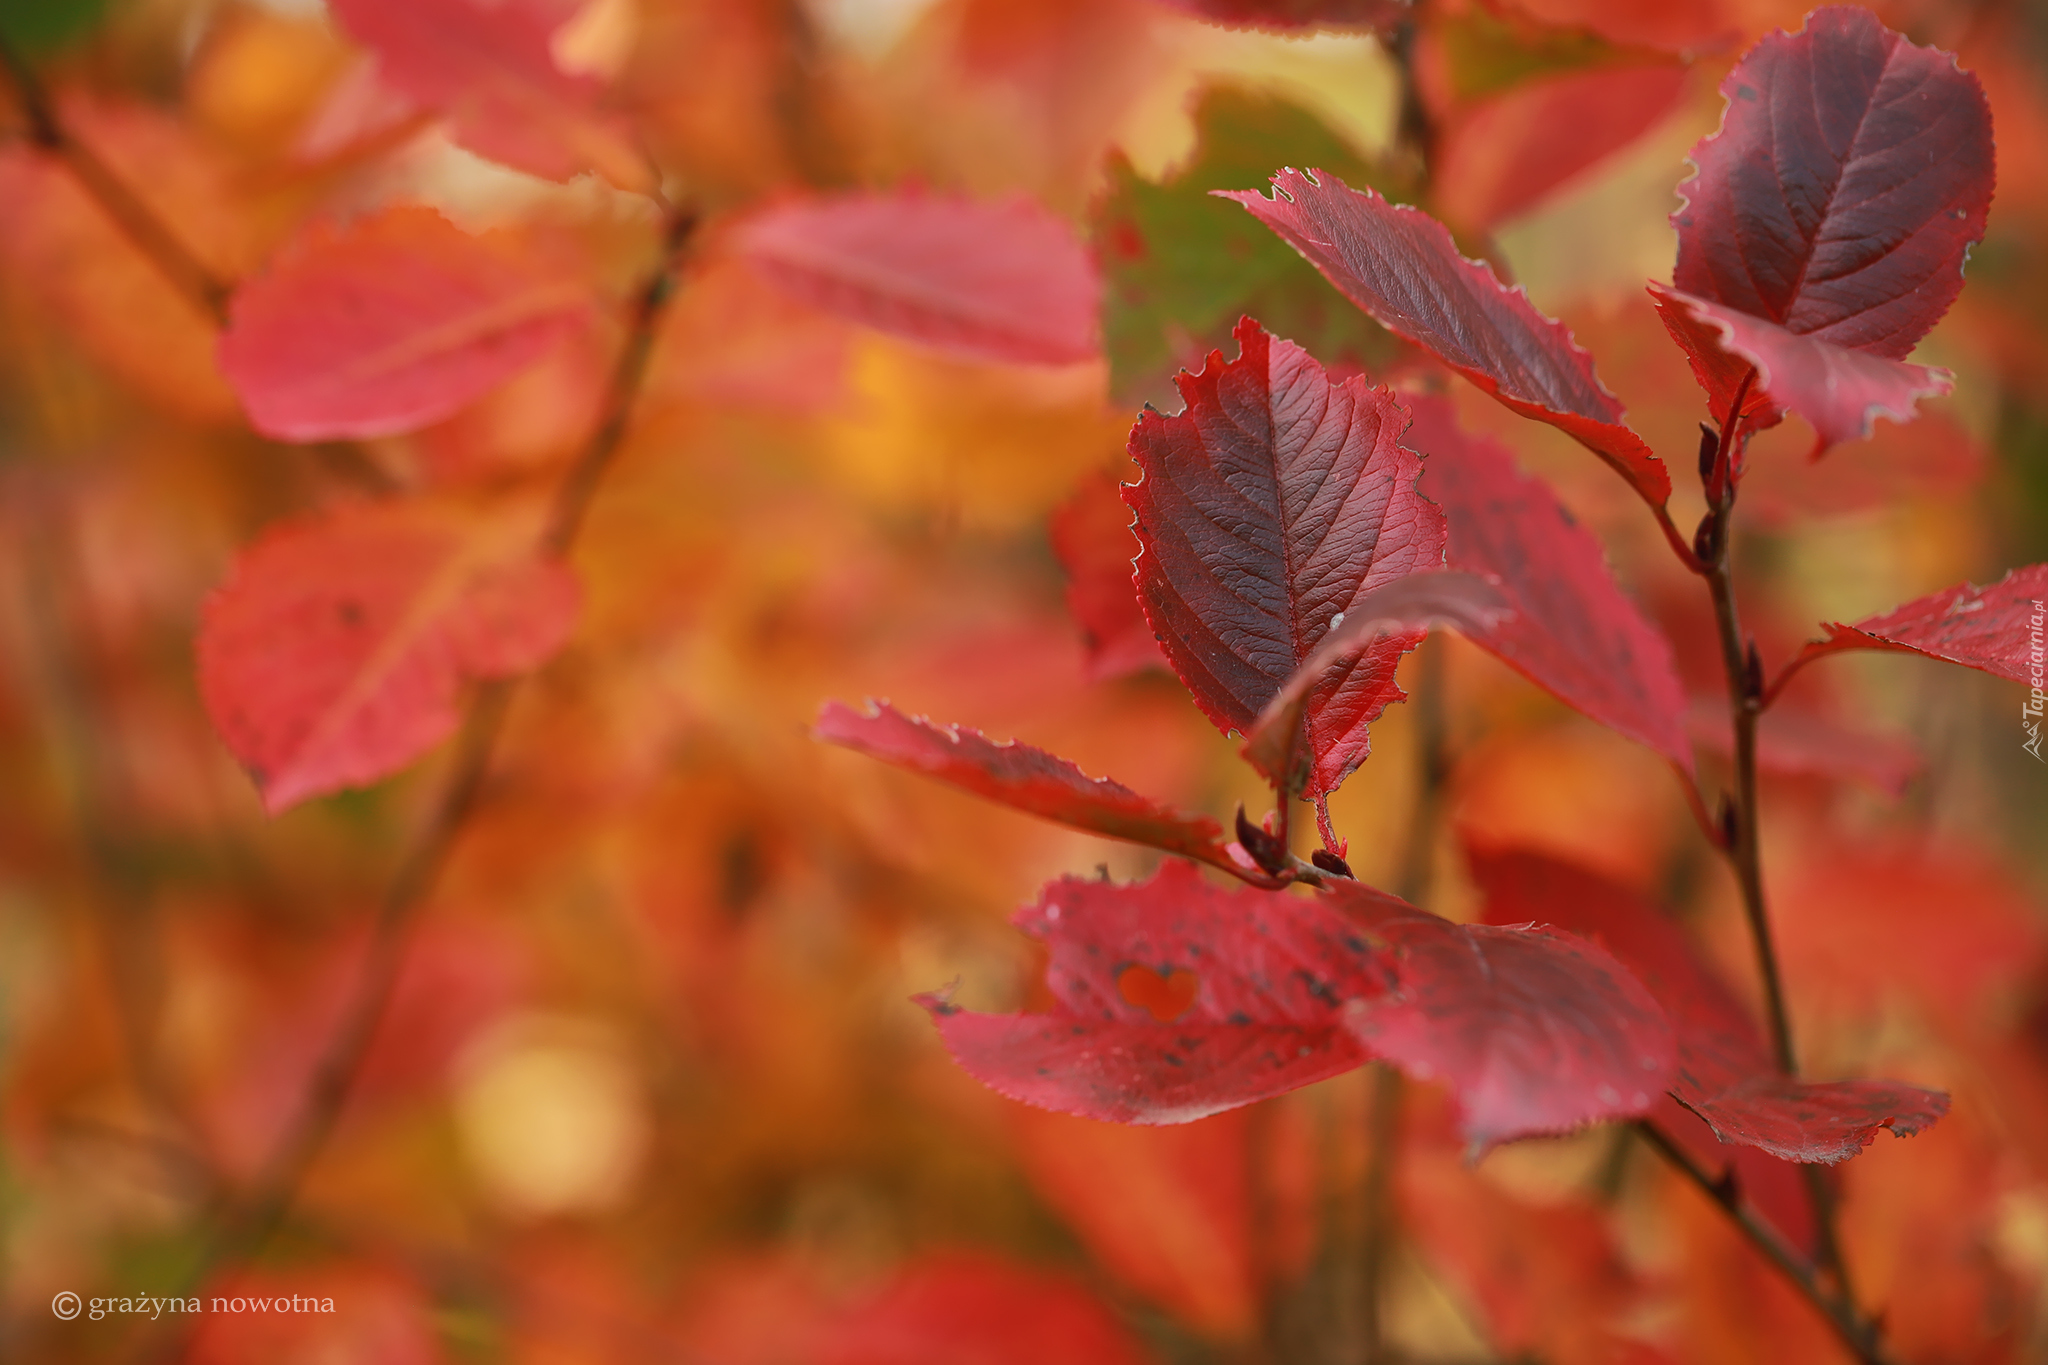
(651, 1086)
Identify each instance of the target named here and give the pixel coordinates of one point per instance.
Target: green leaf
(43, 25)
(1179, 267)
(1485, 54)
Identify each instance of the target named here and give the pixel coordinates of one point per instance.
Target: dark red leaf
(1725, 1072)
(1273, 971)
(1401, 266)
(1533, 1030)
(1504, 156)
(1996, 629)
(1836, 204)
(1572, 631)
(1406, 606)
(1842, 392)
(1267, 510)
(1850, 176)
(389, 323)
(1024, 777)
(335, 652)
(1091, 534)
(1004, 282)
(1295, 15)
(490, 67)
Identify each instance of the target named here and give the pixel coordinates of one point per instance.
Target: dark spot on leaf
(1318, 988)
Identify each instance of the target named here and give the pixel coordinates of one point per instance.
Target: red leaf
(1815, 1121)
(1572, 631)
(1831, 213)
(1004, 282)
(387, 324)
(1800, 743)
(1725, 1071)
(1935, 458)
(1091, 534)
(1412, 604)
(950, 1306)
(1995, 629)
(1296, 15)
(1850, 176)
(1269, 508)
(1505, 155)
(1400, 265)
(1864, 910)
(1533, 1030)
(1166, 1211)
(1689, 27)
(1024, 777)
(490, 67)
(1549, 1280)
(973, 1308)
(1842, 392)
(1272, 970)
(335, 652)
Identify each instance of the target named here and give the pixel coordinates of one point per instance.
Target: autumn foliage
(1104, 681)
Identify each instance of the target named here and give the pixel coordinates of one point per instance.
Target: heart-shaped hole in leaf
(1166, 995)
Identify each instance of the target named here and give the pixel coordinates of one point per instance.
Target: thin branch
(117, 886)
(572, 500)
(1413, 127)
(1417, 872)
(1743, 843)
(136, 220)
(270, 1198)
(1858, 1333)
(1745, 706)
(1382, 1231)
(263, 1209)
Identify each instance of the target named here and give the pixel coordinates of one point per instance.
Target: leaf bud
(1331, 863)
(1266, 849)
